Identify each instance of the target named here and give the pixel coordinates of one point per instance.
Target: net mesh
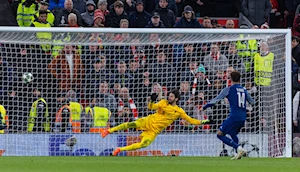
(78, 77)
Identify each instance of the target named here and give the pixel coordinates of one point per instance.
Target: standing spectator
(150, 5)
(55, 5)
(296, 49)
(215, 62)
(180, 6)
(203, 7)
(155, 21)
(234, 60)
(25, 13)
(188, 19)
(61, 16)
(122, 76)
(79, 5)
(139, 18)
(257, 11)
(7, 18)
(167, 16)
(104, 99)
(67, 69)
(112, 19)
(88, 16)
(207, 22)
(129, 5)
(44, 7)
(102, 6)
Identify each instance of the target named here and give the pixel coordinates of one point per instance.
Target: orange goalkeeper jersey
(165, 115)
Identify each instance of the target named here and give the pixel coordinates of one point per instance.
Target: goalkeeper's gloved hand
(154, 97)
(207, 121)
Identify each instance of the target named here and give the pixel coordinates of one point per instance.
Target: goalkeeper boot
(104, 132)
(240, 152)
(116, 152)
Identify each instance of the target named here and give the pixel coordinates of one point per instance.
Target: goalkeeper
(167, 112)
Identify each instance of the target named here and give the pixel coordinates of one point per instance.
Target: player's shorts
(231, 127)
(144, 124)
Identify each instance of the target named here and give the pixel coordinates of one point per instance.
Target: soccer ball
(27, 78)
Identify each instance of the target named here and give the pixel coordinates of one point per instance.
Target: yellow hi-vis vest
(44, 36)
(263, 69)
(75, 118)
(100, 117)
(33, 115)
(4, 117)
(26, 14)
(50, 17)
(247, 49)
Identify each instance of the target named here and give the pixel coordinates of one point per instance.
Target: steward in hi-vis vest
(96, 118)
(3, 119)
(39, 116)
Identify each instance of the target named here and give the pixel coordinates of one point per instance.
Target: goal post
(90, 78)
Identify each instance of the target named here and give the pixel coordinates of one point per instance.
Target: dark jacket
(257, 11)
(183, 23)
(139, 20)
(150, 25)
(113, 20)
(296, 54)
(166, 16)
(7, 17)
(61, 17)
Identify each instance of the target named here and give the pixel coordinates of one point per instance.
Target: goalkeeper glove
(154, 97)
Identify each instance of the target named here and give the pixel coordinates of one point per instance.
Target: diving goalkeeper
(167, 112)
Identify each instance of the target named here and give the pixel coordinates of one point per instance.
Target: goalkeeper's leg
(146, 141)
(124, 126)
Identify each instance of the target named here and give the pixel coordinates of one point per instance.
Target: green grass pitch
(147, 164)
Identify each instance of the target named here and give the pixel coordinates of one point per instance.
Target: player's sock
(123, 126)
(235, 139)
(228, 141)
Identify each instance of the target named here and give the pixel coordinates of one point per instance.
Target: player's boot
(240, 152)
(104, 132)
(116, 152)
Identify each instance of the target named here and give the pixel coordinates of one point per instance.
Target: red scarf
(132, 107)
(215, 56)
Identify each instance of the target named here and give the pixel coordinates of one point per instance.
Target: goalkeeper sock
(123, 126)
(228, 141)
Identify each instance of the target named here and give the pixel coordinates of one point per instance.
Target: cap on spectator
(188, 9)
(44, 2)
(139, 2)
(102, 2)
(201, 69)
(155, 15)
(118, 4)
(98, 14)
(90, 2)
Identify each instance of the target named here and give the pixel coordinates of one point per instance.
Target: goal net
(60, 87)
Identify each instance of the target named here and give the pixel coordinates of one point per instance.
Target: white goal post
(117, 69)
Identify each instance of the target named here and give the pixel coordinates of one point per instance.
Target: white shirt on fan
(69, 58)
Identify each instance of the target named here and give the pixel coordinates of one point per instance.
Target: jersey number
(241, 99)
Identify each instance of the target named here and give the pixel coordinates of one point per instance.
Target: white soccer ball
(27, 77)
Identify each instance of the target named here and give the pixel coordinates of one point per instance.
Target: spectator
(188, 74)
(44, 7)
(104, 99)
(150, 5)
(202, 7)
(180, 6)
(99, 18)
(122, 76)
(139, 18)
(188, 19)
(55, 5)
(296, 49)
(80, 5)
(72, 20)
(234, 60)
(102, 6)
(229, 24)
(61, 16)
(125, 98)
(25, 13)
(225, 8)
(88, 16)
(257, 11)
(215, 62)
(7, 17)
(112, 19)
(124, 23)
(167, 16)
(155, 21)
(67, 69)
(206, 22)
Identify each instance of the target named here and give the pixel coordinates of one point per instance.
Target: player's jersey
(237, 97)
(165, 115)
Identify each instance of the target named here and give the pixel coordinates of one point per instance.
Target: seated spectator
(124, 98)
(112, 19)
(139, 18)
(188, 19)
(122, 76)
(55, 5)
(61, 16)
(229, 24)
(206, 22)
(26, 12)
(234, 60)
(103, 98)
(80, 5)
(88, 16)
(72, 20)
(129, 5)
(102, 6)
(44, 7)
(99, 18)
(167, 15)
(155, 21)
(124, 23)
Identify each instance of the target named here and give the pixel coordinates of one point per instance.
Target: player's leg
(233, 133)
(147, 139)
(123, 126)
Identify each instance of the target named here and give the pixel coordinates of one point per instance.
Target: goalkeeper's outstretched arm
(190, 119)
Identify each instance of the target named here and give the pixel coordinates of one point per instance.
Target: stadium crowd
(74, 82)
